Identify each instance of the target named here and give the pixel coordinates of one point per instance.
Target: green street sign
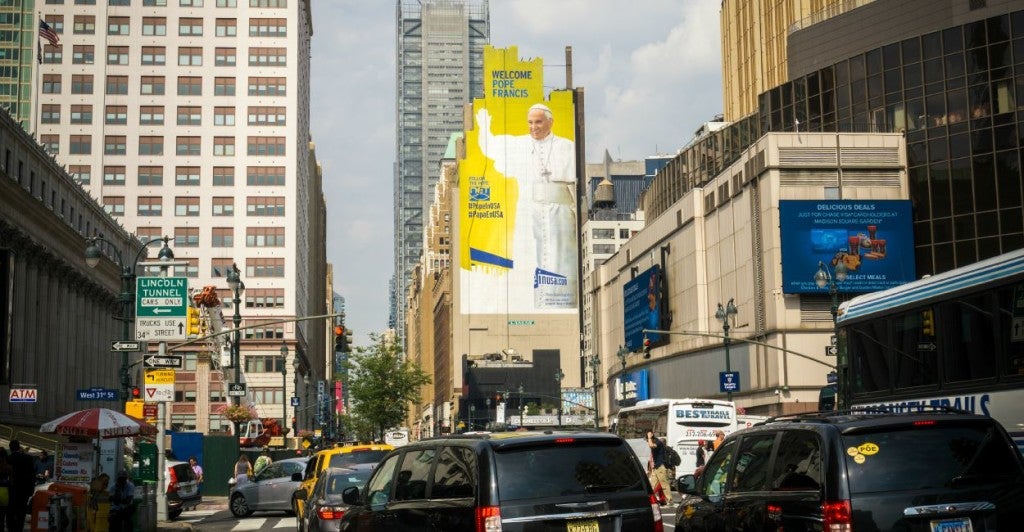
(161, 297)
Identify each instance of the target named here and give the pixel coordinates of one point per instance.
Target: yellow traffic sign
(159, 376)
(133, 408)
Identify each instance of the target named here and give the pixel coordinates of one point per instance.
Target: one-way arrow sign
(126, 346)
(166, 361)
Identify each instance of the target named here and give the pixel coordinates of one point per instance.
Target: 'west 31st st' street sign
(161, 305)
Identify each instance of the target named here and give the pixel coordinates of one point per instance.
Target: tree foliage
(381, 384)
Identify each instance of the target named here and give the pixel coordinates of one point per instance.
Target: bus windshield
(682, 422)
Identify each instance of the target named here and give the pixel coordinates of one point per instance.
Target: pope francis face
(540, 124)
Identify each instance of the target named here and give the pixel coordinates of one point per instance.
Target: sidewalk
(209, 504)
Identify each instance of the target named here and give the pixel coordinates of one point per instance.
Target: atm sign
(23, 395)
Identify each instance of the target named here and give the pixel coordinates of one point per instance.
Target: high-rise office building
(18, 26)
(190, 118)
(439, 64)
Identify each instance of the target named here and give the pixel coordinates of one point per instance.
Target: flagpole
(39, 66)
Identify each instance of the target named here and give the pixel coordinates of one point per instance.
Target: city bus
(681, 421)
(954, 339)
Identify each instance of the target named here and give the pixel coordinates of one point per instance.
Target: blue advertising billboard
(873, 239)
(641, 298)
(632, 387)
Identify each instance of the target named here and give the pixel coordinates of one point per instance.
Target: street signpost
(161, 304)
(127, 346)
(97, 394)
(236, 389)
(728, 381)
(295, 401)
(159, 386)
(165, 361)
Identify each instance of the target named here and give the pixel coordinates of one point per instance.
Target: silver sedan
(271, 489)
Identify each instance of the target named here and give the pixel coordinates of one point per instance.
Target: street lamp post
(595, 364)
(558, 378)
(823, 279)
(623, 355)
(724, 314)
(487, 417)
(472, 408)
(237, 286)
(522, 406)
(284, 387)
(127, 296)
(295, 394)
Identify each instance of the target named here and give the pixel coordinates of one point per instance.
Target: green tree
(382, 384)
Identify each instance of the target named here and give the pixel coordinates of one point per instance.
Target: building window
(603, 234)
(190, 56)
(51, 143)
(150, 206)
(223, 176)
(268, 57)
(224, 57)
(151, 145)
(118, 26)
(113, 175)
(264, 298)
(117, 55)
(151, 175)
(85, 25)
(227, 27)
(119, 2)
(224, 146)
(223, 206)
(50, 114)
(268, 27)
(264, 330)
(52, 55)
(154, 26)
(265, 176)
(186, 206)
(115, 145)
(81, 84)
(114, 205)
(223, 237)
(264, 206)
(220, 267)
(149, 234)
(264, 237)
(188, 146)
(264, 267)
(227, 3)
(81, 173)
(52, 84)
(265, 146)
(189, 116)
(262, 86)
(114, 115)
(190, 27)
(278, 4)
(190, 3)
(152, 86)
(190, 86)
(224, 86)
(185, 176)
(223, 116)
(80, 145)
(189, 270)
(186, 237)
(264, 363)
(154, 55)
(84, 54)
(266, 116)
(151, 115)
(117, 84)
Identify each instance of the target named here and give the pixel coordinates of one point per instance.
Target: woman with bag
(243, 470)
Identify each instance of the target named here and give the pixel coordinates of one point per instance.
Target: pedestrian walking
(659, 473)
(5, 488)
(23, 483)
(243, 470)
(122, 503)
(702, 454)
(198, 470)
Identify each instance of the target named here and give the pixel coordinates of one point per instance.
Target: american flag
(46, 32)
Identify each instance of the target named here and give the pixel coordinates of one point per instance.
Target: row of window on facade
(222, 176)
(154, 145)
(254, 267)
(187, 115)
(189, 206)
(85, 54)
(157, 85)
(157, 26)
(265, 4)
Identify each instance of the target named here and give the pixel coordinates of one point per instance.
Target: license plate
(583, 526)
(962, 524)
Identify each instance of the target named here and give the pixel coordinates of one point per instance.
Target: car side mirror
(687, 484)
(300, 495)
(296, 477)
(350, 495)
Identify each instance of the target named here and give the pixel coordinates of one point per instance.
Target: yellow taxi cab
(339, 456)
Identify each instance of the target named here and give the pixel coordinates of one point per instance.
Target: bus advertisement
(682, 422)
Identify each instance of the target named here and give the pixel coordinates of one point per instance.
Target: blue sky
(651, 70)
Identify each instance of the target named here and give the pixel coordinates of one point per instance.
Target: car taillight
(565, 440)
(172, 484)
(925, 423)
(488, 519)
(659, 525)
(329, 513)
(838, 516)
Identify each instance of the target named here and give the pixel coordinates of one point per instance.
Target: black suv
(860, 470)
(509, 481)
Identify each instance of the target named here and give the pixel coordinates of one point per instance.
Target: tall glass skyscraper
(439, 70)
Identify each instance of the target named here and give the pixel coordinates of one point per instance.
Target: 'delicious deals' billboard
(518, 247)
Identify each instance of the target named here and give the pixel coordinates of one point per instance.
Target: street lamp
(295, 394)
(237, 286)
(522, 406)
(623, 354)
(558, 378)
(595, 364)
(472, 408)
(127, 296)
(284, 387)
(823, 279)
(724, 314)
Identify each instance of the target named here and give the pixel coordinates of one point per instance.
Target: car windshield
(928, 456)
(570, 468)
(356, 457)
(338, 482)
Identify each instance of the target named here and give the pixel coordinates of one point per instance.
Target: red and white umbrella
(98, 423)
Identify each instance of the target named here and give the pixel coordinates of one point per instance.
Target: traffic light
(136, 393)
(340, 343)
(194, 329)
(647, 347)
(928, 323)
